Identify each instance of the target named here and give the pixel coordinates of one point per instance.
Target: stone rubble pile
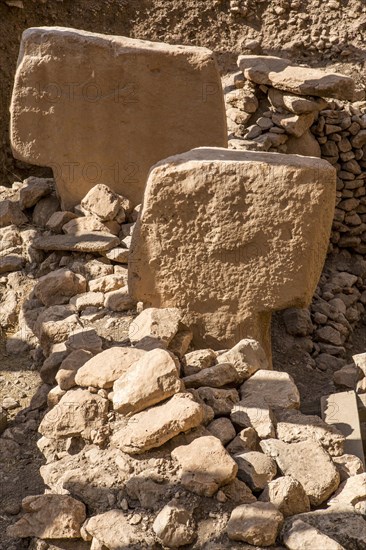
(142, 448)
(271, 107)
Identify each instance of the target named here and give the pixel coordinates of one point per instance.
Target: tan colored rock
(112, 530)
(155, 426)
(155, 325)
(214, 377)
(54, 325)
(153, 378)
(87, 299)
(295, 125)
(254, 413)
(287, 494)
(247, 356)
(348, 465)
(300, 535)
(205, 465)
(119, 300)
(293, 426)
(49, 517)
(102, 202)
(65, 376)
(57, 287)
(236, 249)
(86, 339)
(11, 214)
(180, 343)
(279, 73)
(84, 225)
(275, 388)
(33, 190)
(306, 145)
(255, 468)
(174, 525)
(197, 360)
(307, 462)
(257, 523)
(294, 103)
(77, 414)
(102, 370)
(352, 492)
(119, 255)
(87, 242)
(58, 219)
(11, 262)
(107, 283)
(238, 492)
(116, 94)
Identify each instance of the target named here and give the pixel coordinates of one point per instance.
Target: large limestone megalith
(104, 109)
(231, 236)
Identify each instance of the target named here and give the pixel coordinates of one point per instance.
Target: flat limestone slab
(89, 242)
(230, 236)
(104, 109)
(281, 74)
(340, 410)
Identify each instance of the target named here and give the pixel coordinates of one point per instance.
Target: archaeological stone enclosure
(184, 288)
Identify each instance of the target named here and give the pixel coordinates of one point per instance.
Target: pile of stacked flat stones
(262, 117)
(148, 443)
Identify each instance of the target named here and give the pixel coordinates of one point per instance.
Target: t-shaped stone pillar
(104, 109)
(231, 236)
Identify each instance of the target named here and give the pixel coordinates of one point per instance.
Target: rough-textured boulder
(197, 360)
(247, 356)
(256, 469)
(106, 367)
(65, 376)
(154, 327)
(257, 523)
(287, 494)
(219, 399)
(59, 286)
(112, 530)
(299, 535)
(205, 465)
(153, 378)
(50, 517)
(33, 190)
(254, 238)
(174, 525)
(153, 427)
(275, 388)
(307, 462)
(254, 413)
(69, 82)
(279, 73)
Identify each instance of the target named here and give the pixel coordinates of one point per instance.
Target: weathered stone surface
(119, 255)
(219, 399)
(287, 494)
(87, 299)
(58, 219)
(246, 440)
(55, 324)
(197, 360)
(11, 214)
(351, 492)
(102, 202)
(343, 526)
(84, 225)
(112, 530)
(306, 145)
(214, 377)
(11, 262)
(205, 465)
(247, 356)
(108, 283)
(307, 462)
(86, 339)
(293, 426)
(77, 413)
(298, 321)
(225, 252)
(49, 517)
(153, 427)
(174, 525)
(257, 523)
(155, 326)
(255, 468)
(106, 367)
(275, 388)
(57, 287)
(153, 378)
(348, 465)
(65, 376)
(300, 535)
(119, 300)
(294, 103)
(89, 242)
(254, 412)
(279, 73)
(238, 492)
(107, 91)
(295, 125)
(223, 429)
(34, 190)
